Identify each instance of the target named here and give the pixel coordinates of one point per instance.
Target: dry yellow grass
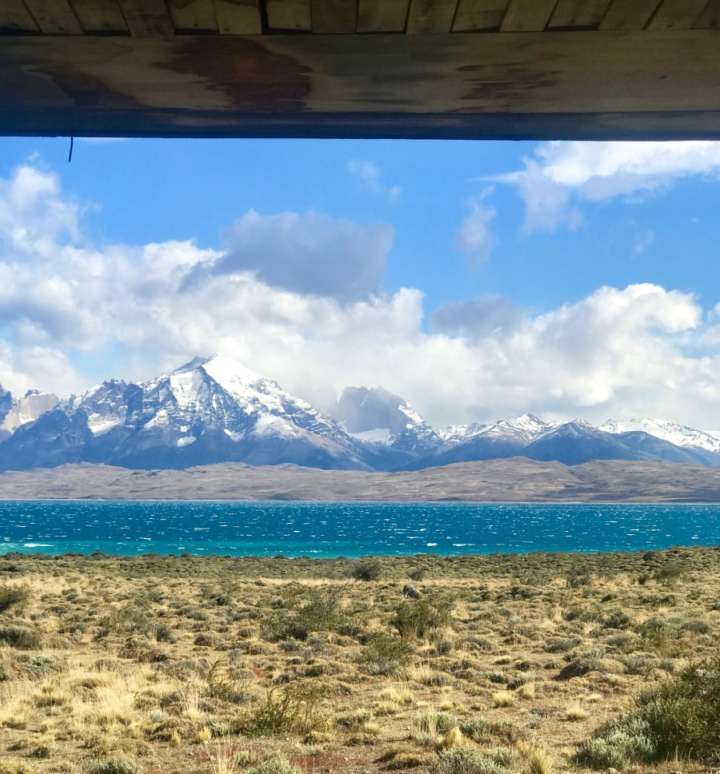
(169, 665)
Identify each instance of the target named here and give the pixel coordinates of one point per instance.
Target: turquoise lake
(348, 529)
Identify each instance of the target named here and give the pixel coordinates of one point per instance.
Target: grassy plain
(465, 665)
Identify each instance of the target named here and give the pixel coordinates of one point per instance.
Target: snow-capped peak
(680, 435)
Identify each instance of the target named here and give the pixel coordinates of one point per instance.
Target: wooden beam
(54, 17)
(479, 15)
(382, 15)
(586, 14)
(677, 14)
(238, 17)
(15, 17)
(193, 15)
(629, 14)
(289, 15)
(147, 18)
(710, 17)
(431, 16)
(528, 15)
(102, 16)
(333, 16)
(504, 84)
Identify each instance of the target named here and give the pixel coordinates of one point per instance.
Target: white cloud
(475, 237)
(308, 253)
(370, 177)
(561, 175)
(642, 349)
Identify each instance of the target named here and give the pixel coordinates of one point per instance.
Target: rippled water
(348, 529)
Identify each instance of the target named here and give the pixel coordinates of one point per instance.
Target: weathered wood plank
(585, 14)
(193, 15)
(289, 15)
(629, 14)
(479, 15)
(709, 19)
(382, 15)
(677, 14)
(54, 17)
(147, 18)
(430, 16)
(528, 15)
(238, 17)
(334, 16)
(100, 15)
(15, 17)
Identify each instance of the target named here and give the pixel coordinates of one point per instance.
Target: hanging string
(70, 152)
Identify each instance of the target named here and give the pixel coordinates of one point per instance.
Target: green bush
(416, 618)
(678, 718)
(20, 637)
(384, 654)
(276, 764)
(366, 569)
(13, 596)
(119, 764)
(318, 610)
(294, 709)
(464, 760)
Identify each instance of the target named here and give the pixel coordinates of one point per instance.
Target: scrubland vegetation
(465, 665)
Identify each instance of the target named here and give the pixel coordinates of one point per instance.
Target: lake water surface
(348, 529)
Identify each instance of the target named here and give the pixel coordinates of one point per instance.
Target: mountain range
(214, 410)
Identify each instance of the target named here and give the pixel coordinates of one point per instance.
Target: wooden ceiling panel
(430, 16)
(677, 14)
(479, 15)
(147, 18)
(334, 16)
(15, 17)
(629, 14)
(193, 15)
(573, 14)
(103, 16)
(382, 15)
(289, 15)
(238, 17)
(54, 17)
(528, 15)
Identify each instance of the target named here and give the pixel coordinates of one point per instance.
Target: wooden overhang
(592, 69)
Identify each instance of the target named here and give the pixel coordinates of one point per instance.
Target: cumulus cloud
(482, 316)
(475, 237)
(369, 175)
(66, 303)
(308, 253)
(561, 176)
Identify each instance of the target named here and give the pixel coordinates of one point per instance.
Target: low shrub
(384, 654)
(20, 637)
(119, 764)
(366, 569)
(276, 764)
(680, 718)
(294, 709)
(13, 596)
(463, 760)
(416, 618)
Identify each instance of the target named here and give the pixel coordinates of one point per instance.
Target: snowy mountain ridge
(215, 409)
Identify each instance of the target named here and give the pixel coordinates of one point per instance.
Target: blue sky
(456, 273)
